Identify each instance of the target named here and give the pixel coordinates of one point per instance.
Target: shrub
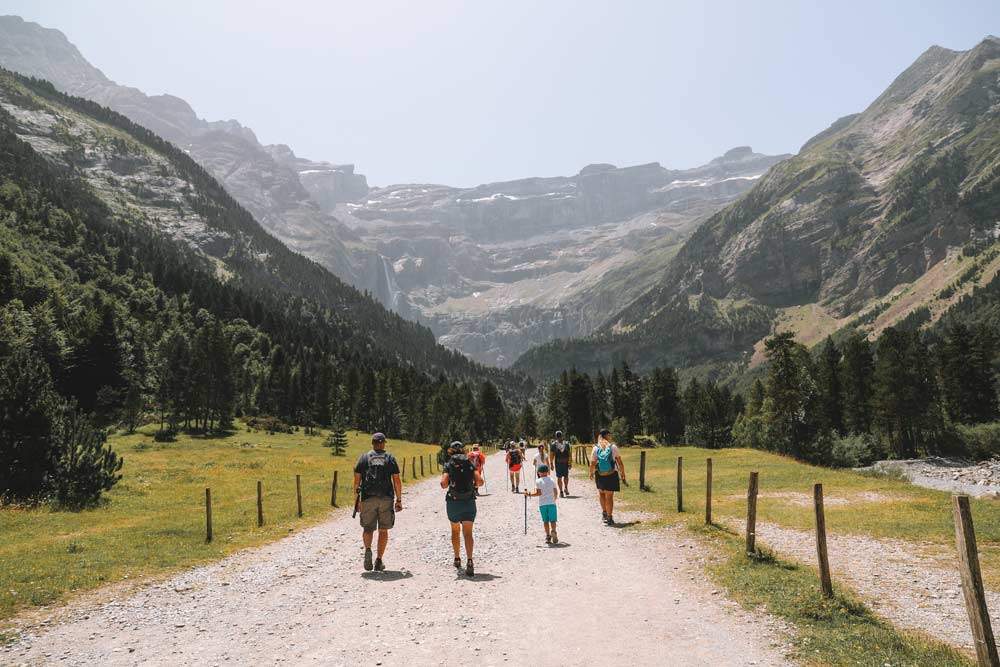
(850, 451)
(981, 441)
(85, 466)
(621, 431)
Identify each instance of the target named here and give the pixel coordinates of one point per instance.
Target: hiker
(515, 457)
(541, 458)
(461, 479)
(478, 460)
(376, 479)
(561, 454)
(606, 462)
(545, 489)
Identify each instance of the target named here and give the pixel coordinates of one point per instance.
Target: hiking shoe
(379, 565)
(548, 539)
(604, 516)
(469, 569)
(555, 538)
(610, 520)
(368, 560)
(458, 563)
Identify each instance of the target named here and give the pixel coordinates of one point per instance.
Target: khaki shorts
(377, 512)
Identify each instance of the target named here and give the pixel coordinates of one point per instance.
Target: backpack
(560, 451)
(376, 479)
(461, 481)
(605, 460)
(515, 456)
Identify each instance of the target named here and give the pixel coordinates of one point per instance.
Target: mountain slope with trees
(887, 214)
(132, 285)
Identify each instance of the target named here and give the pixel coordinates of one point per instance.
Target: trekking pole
(526, 513)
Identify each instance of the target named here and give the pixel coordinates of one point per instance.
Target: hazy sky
(468, 92)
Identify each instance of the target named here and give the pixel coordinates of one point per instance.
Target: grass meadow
(153, 520)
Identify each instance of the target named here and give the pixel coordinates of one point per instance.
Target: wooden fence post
(421, 465)
(298, 493)
(972, 584)
(680, 483)
(642, 470)
(708, 491)
(260, 503)
(413, 466)
(824, 560)
(208, 515)
(402, 472)
(752, 515)
(333, 490)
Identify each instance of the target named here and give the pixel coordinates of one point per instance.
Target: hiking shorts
(461, 510)
(515, 467)
(562, 469)
(548, 513)
(377, 512)
(608, 482)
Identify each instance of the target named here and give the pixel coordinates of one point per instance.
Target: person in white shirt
(545, 489)
(541, 458)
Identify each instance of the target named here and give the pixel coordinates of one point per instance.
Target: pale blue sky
(463, 93)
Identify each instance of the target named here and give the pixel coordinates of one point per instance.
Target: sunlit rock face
(500, 267)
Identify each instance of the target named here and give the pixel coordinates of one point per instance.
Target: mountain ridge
(850, 225)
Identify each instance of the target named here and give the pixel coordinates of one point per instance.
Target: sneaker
(458, 563)
(548, 539)
(368, 560)
(379, 565)
(610, 520)
(604, 516)
(555, 538)
(469, 569)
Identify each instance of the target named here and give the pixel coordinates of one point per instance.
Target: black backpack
(376, 481)
(515, 456)
(461, 481)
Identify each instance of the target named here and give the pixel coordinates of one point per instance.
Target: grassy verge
(842, 631)
(855, 504)
(153, 521)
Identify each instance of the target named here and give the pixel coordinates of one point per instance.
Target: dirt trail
(605, 596)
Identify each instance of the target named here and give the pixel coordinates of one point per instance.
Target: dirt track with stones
(603, 596)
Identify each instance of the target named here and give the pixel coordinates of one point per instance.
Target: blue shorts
(548, 513)
(461, 510)
(562, 469)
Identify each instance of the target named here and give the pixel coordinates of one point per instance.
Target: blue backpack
(605, 460)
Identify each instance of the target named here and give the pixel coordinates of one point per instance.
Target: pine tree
(831, 393)
(337, 440)
(857, 369)
(491, 410)
(661, 406)
(527, 423)
(579, 420)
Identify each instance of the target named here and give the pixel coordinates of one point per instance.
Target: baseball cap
(378, 437)
(543, 468)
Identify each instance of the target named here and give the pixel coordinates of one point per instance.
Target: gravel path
(603, 596)
(915, 586)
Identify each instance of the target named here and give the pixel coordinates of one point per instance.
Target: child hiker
(545, 489)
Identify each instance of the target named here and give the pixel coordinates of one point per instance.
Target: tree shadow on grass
(387, 575)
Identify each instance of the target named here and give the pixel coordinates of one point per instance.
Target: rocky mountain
(281, 190)
(153, 194)
(493, 270)
(889, 214)
(500, 267)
